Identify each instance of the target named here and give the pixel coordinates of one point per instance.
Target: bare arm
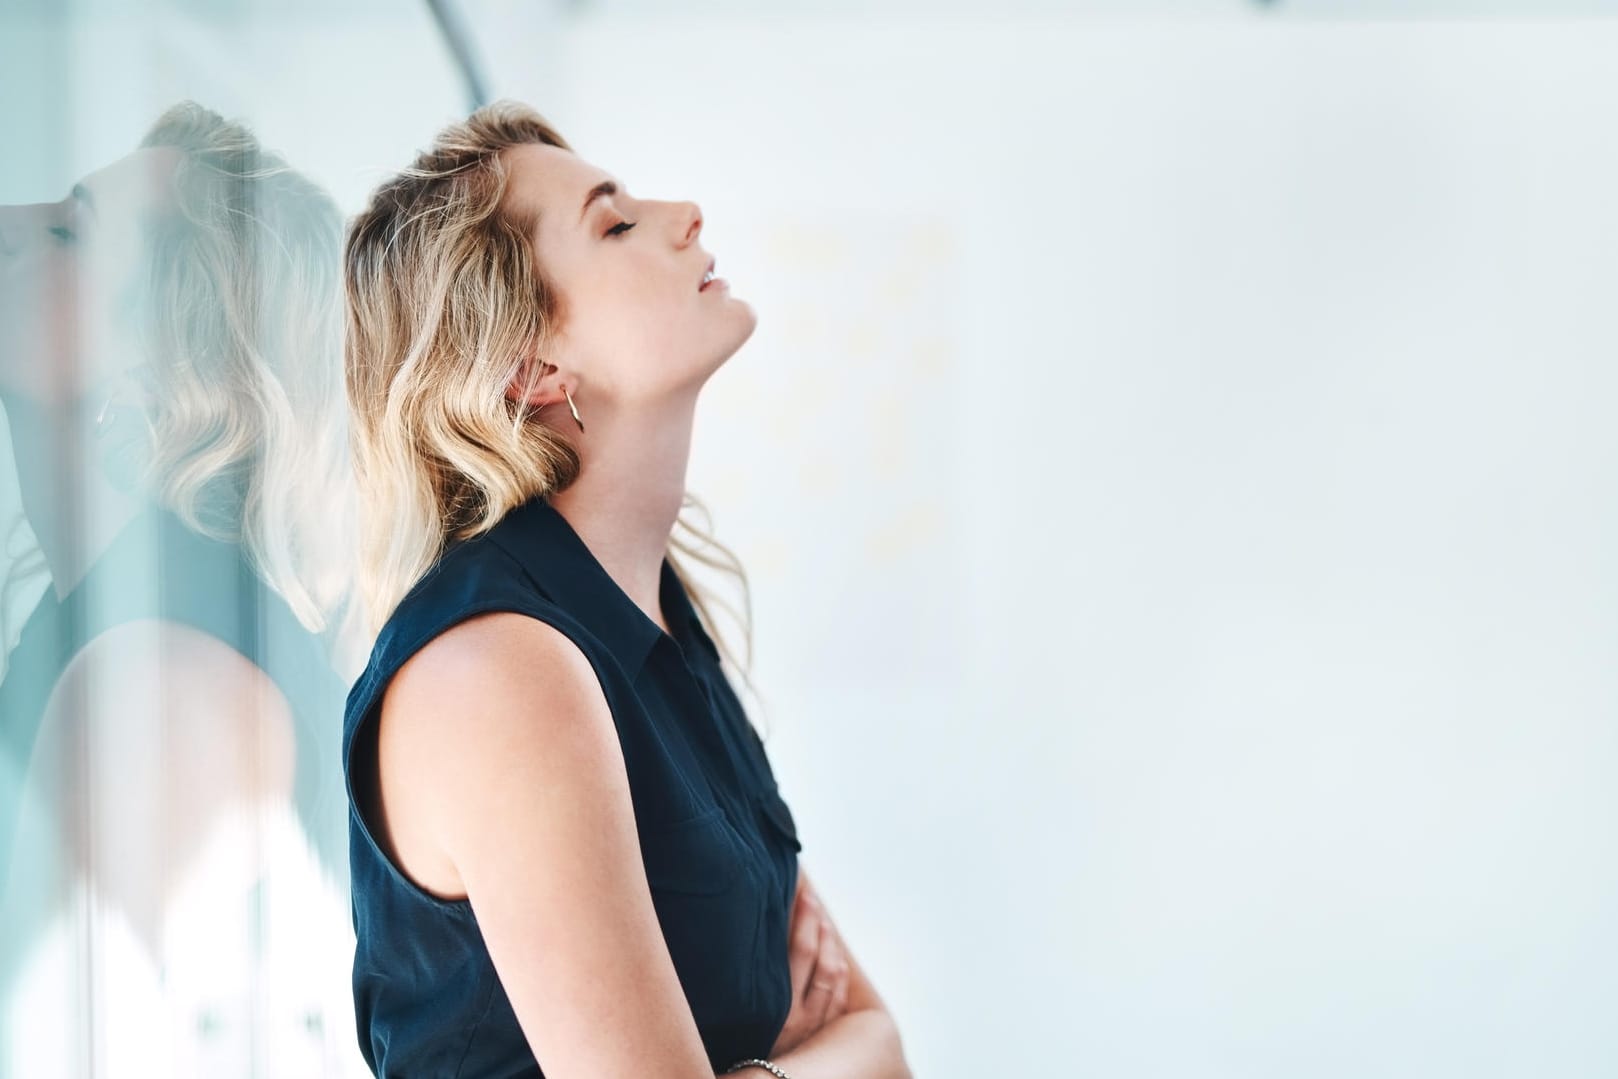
(861, 1043)
(861, 993)
(526, 796)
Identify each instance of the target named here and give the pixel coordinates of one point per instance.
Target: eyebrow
(82, 193)
(605, 187)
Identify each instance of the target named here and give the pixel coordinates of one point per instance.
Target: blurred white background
(1175, 468)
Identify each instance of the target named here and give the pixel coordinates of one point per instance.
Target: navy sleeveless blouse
(717, 839)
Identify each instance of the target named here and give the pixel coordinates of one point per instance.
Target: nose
(693, 224)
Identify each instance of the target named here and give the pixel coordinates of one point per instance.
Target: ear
(546, 388)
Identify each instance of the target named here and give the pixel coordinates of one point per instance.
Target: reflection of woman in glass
(170, 375)
(569, 848)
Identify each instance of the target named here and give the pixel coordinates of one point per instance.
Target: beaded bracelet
(767, 1065)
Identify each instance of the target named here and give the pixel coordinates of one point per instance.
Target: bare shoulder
(459, 714)
(481, 701)
(493, 656)
(499, 739)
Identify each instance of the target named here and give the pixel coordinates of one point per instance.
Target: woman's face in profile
(66, 273)
(634, 324)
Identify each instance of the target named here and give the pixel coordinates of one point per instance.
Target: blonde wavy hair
(445, 292)
(242, 317)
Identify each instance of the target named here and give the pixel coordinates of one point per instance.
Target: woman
(568, 848)
(170, 377)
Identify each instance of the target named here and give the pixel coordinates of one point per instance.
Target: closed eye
(620, 228)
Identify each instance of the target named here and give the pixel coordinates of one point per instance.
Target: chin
(747, 317)
(739, 341)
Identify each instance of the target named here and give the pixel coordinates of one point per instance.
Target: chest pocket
(709, 899)
(696, 856)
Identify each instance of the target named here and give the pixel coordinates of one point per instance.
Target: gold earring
(573, 408)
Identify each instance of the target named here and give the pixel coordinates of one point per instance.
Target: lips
(705, 272)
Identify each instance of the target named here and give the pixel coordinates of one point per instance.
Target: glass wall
(177, 515)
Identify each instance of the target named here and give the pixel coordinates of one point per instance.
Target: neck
(628, 494)
(72, 509)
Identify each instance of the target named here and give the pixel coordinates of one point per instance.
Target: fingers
(831, 969)
(830, 979)
(817, 997)
(803, 1018)
(832, 966)
(804, 944)
(839, 999)
(821, 974)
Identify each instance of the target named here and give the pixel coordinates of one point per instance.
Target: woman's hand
(820, 970)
